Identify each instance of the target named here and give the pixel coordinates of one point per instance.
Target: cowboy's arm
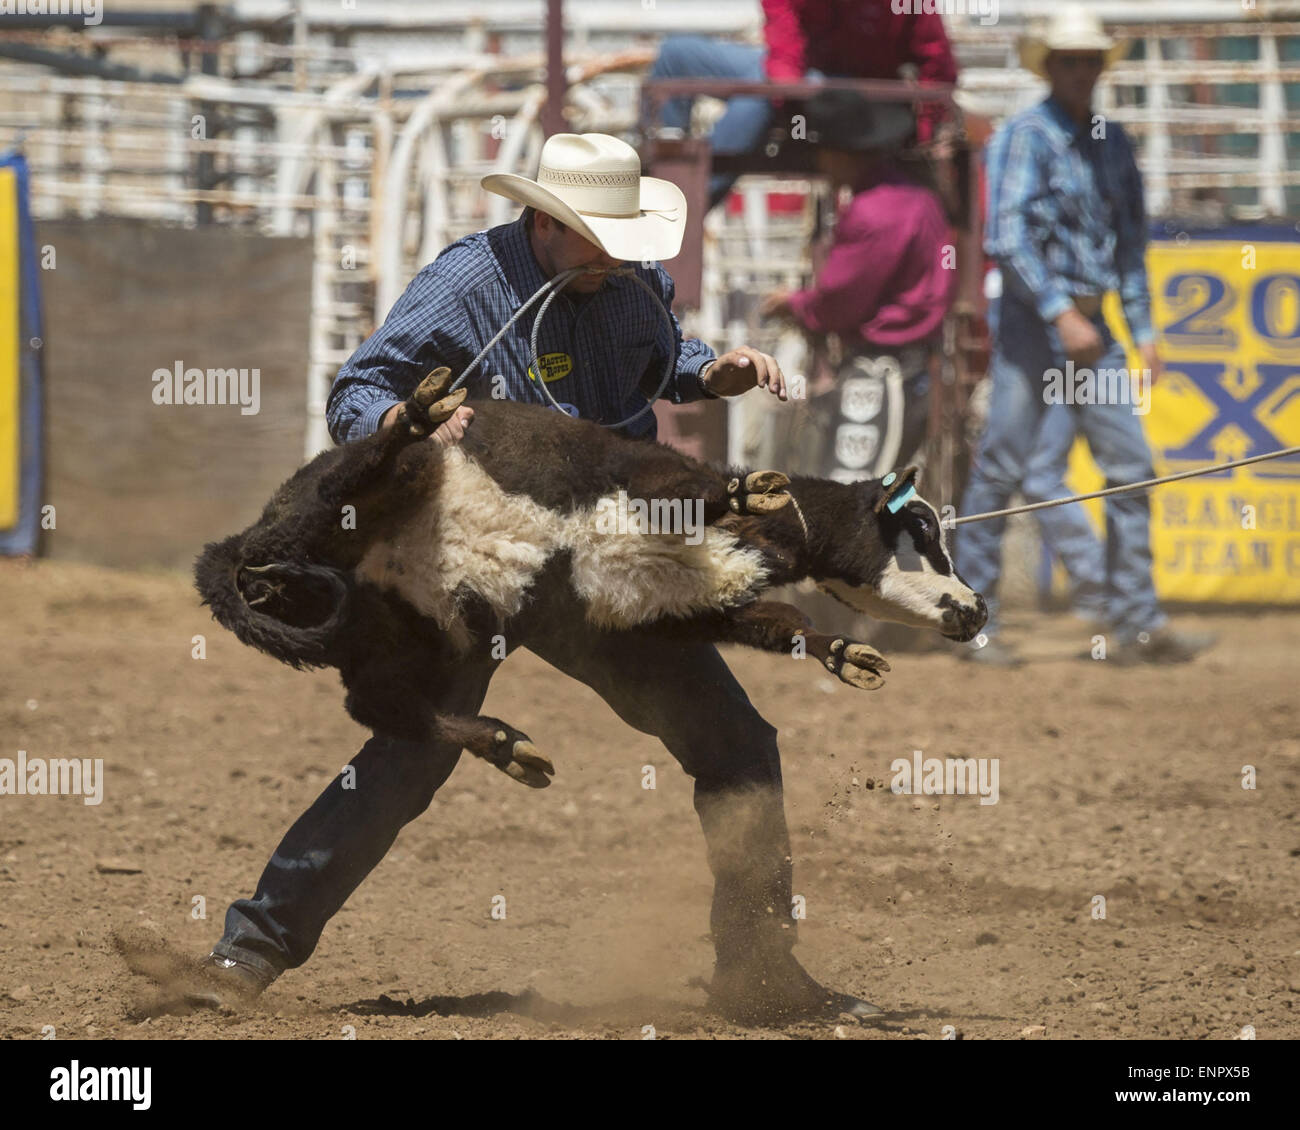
(425, 328)
(1016, 163)
(693, 356)
(699, 372)
(786, 43)
(1130, 250)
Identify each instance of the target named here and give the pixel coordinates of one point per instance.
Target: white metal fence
(371, 128)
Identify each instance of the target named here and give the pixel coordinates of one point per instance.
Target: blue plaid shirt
(1066, 215)
(613, 344)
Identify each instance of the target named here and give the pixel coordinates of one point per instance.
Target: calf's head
(896, 566)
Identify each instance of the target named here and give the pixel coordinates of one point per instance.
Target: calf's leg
(772, 626)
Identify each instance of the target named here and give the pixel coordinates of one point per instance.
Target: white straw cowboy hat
(592, 183)
(1073, 28)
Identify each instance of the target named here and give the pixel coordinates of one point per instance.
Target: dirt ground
(1119, 783)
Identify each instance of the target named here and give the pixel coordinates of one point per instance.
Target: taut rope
(1127, 488)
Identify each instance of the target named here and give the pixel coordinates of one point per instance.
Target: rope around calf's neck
(1126, 489)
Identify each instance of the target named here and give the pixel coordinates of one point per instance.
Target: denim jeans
(1066, 530)
(745, 122)
(681, 692)
(1024, 349)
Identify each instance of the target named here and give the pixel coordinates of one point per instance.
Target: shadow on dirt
(528, 1004)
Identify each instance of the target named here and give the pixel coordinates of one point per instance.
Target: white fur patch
(474, 535)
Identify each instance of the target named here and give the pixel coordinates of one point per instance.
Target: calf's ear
(895, 489)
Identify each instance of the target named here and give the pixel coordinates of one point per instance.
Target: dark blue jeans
(681, 692)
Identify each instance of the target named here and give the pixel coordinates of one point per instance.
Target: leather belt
(1089, 305)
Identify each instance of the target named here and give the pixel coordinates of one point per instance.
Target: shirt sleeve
(1014, 177)
(1131, 248)
(425, 328)
(862, 259)
(691, 353)
(786, 43)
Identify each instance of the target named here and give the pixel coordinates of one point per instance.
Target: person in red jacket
(807, 39)
(882, 290)
(858, 39)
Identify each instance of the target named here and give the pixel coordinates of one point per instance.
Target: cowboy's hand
(744, 368)
(776, 305)
(449, 433)
(1151, 361)
(1080, 340)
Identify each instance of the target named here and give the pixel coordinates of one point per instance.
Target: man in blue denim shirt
(1066, 224)
(604, 350)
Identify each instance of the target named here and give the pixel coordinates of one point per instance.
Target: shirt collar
(1056, 114)
(524, 269)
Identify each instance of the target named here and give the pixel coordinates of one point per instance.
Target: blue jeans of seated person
(679, 691)
(1066, 530)
(1024, 349)
(746, 120)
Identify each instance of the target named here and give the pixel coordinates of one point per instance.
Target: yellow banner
(1227, 318)
(9, 357)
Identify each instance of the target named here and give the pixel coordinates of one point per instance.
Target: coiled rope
(551, 288)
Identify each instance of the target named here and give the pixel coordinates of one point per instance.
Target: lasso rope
(551, 288)
(1127, 488)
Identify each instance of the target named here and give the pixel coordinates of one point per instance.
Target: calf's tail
(292, 610)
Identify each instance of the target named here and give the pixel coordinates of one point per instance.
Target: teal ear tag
(895, 504)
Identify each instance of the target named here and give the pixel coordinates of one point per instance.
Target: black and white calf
(443, 545)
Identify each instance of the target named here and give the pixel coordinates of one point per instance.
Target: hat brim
(1034, 51)
(652, 236)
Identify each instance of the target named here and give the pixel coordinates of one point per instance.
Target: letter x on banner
(21, 408)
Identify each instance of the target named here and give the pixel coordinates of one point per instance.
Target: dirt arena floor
(1118, 783)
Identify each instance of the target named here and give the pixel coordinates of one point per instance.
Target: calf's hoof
(760, 492)
(431, 404)
(512, 752)
(857, 664)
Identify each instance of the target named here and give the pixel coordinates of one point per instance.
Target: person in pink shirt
(881, 292)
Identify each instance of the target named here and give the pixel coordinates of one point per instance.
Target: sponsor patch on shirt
(553, 367)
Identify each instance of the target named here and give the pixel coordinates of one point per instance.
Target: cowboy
(883, 288)
(806, 39)
(602, 345)
(1066, 224)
